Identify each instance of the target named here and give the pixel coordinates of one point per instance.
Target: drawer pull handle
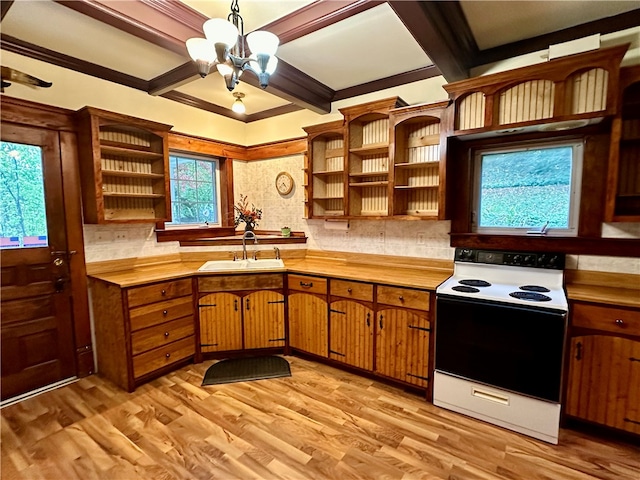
(349, 290)
(380, 323)
(368, 319)
(619, 322)
(306, 285)
(163, 292)
(164, 312)
(167, 355)
(401, 298)
(166, 334)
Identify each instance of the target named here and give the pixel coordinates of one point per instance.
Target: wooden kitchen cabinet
(123, 167)
(244, 312)
(324, 170)
(144, 331)
(623, 183)
(402, 334)
(604, 366)
(308, 314)
(351, 323)
(419, 161)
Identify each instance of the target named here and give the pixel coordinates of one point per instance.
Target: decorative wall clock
(284, 183)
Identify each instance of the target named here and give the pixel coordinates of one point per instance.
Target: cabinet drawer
(609, 319)
(161, 312)
(160, 335)
(158, 292)
(162, 356)
(403, 297)
(355, 290)
(230, 283)
(304, 283)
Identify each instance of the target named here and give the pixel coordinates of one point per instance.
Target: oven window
(509, 347)
(528, 189)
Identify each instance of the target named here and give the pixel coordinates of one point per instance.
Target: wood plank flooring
(321, 423)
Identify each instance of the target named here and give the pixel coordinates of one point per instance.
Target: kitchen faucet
(248, 234)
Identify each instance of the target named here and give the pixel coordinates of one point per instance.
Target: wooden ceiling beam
(442, 31)
(6, 5)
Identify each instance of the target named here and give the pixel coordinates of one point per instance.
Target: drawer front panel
(158, 292)
(609, 319)
(355, 290)
(157, 313)
(231, 283)
(403, 297)
(162, 356)
(160, 335)
(304, 283)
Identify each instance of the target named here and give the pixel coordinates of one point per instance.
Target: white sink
(242, 265)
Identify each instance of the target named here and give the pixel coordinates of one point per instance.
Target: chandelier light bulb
(218, 30)
(238, 105)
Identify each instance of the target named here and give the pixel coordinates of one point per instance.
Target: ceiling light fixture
(224, 47)
(238, 106)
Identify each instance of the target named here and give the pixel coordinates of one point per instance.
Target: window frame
(218, 190)
(577, 163)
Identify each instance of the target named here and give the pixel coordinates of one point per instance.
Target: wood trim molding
(5, 6)
(26, 112)
(36, 52)
(282, 148)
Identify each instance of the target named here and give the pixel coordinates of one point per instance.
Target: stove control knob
(529, 260)
(516, 260)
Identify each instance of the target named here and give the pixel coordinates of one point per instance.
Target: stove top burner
(475, 283)
(534, 288)
(465, 289)
(531, 296)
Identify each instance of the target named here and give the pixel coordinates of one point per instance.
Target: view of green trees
(526, 188)
(22, 201)
(193, 190)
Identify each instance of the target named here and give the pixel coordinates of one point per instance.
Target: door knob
(59, 284)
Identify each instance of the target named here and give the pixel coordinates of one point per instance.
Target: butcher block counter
(599, 287)
(406, 272)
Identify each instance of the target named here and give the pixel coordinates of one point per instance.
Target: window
(528, 189)
(23, 222)
(195, 187)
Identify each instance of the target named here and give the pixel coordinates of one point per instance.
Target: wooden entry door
(36, 324)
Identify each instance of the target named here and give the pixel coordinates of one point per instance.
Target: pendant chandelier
(224, 47)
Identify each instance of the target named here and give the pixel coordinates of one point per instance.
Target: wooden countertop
(606, 288)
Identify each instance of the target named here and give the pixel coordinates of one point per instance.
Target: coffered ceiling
(329, 49)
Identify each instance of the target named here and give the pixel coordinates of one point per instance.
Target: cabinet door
(220, 322)
(604, 381)
(402, 345)
(308, 324)
(263, 313)
(351, 334)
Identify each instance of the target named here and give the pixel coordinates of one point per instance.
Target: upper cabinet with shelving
(384, 160)
(623, 186)
(124, 168)
(368, 162)
(561, 93)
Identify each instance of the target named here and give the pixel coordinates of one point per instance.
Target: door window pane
(23, 217)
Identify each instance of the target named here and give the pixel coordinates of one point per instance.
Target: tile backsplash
(423, 239)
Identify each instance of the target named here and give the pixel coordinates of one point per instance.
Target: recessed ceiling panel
(496, 23)
(66, 31)
(371, 45)
(254, 13)
(212, 89)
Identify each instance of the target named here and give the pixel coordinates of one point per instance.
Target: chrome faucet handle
(255, 255)
(235, 256)
(277, 250)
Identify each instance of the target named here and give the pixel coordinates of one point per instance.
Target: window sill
(226, 236)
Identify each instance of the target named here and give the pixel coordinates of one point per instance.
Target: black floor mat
(245, 369)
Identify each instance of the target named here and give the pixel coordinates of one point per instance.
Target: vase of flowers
(243, 213)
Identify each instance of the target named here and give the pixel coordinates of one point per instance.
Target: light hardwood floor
(321, 423)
